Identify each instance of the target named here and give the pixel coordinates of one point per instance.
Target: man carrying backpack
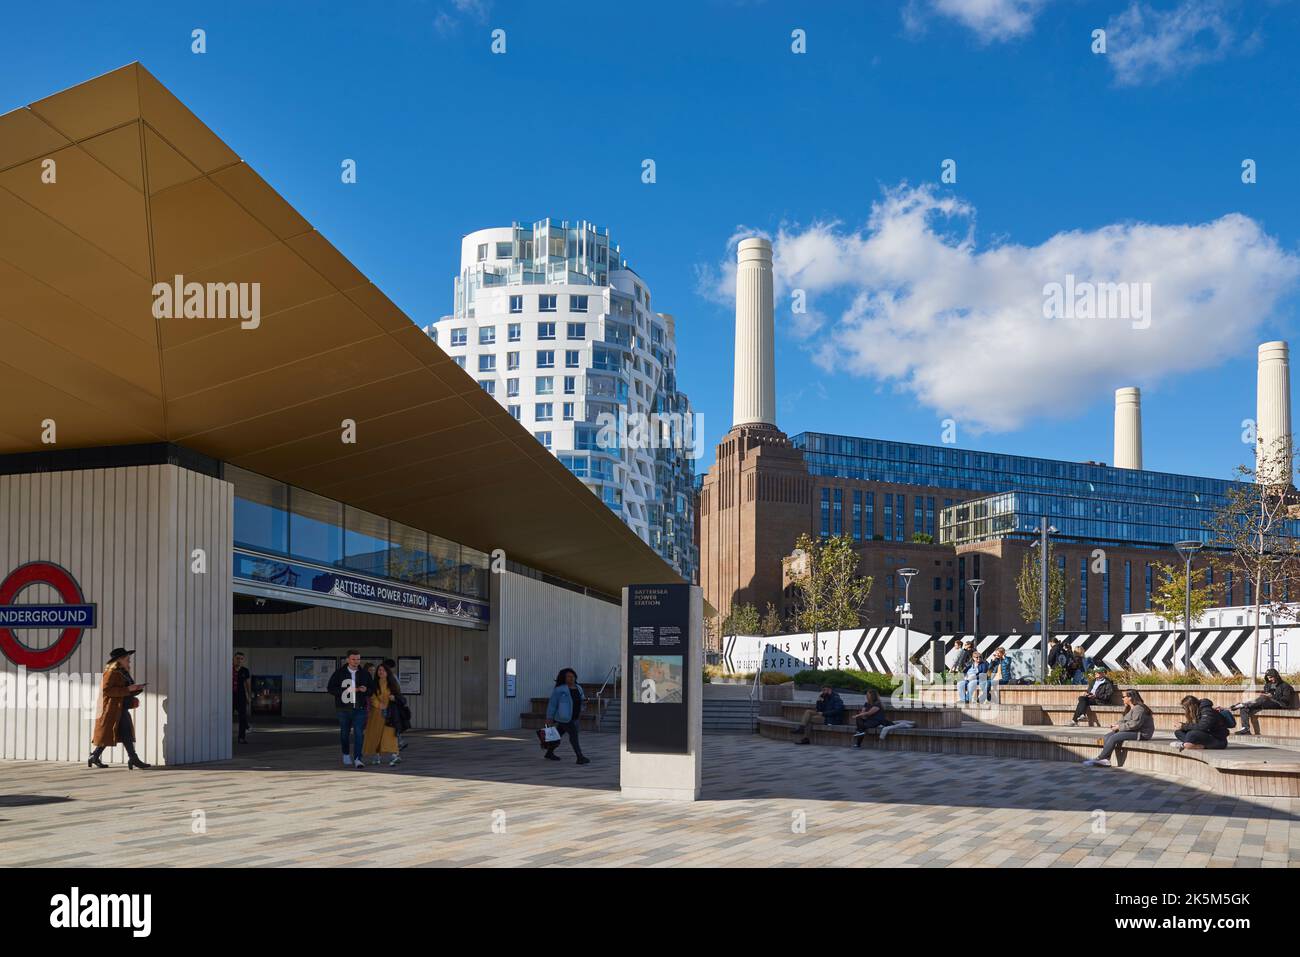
(1277, 694)
(1100, 692)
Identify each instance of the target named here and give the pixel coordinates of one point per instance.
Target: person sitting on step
(872, 715)
(999, 672)
(829, 705)
(1100, 691)
(1137, 723)
(1277, 694)
(1204, 729)
(975, 680)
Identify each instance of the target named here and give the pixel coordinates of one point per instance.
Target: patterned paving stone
(475, 800)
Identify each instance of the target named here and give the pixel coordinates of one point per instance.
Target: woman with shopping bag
(563, 712)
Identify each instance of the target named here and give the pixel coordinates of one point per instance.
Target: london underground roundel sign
(71, 617)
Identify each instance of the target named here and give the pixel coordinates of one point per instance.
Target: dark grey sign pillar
(663, 691)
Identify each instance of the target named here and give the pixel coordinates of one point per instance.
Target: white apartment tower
(553, 323)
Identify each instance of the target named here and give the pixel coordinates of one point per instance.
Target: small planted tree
(1250, 532)
(831, 594)
(744, 620)
(1029, 585)
(1169, 599)
(771, 624)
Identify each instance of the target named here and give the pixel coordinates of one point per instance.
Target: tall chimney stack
(1128, 428)
(755, 388)
(1273, 414)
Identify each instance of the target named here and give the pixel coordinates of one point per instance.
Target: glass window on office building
(516, 306)
(826, 513)
(487, 335)
(889, 516)
(577, 304)
(488, 385)
(570, 385)
(545, 385)
(460, 337)
(261, 511)
(365, 542)
(444, 564)
(487, 363)
(482, 251)
(546, 330)
(544, 438)
(546, 303)
(543, 412)
(838, 517)
(929, 516)
(315, 527)
(869, 515)
(568, 411)
(515, 331)
(1105, 590)
(512, 360)
(512, 388)
(571, 358)
(918, 515)
(1149, 577)
(505, 250)
(459, 360)
(1128, 587)
(900, 508)
(473, 573)
(857, 515)
(515, 411)
(546, 358)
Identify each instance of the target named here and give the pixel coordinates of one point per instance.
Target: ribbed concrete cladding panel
(433, 451)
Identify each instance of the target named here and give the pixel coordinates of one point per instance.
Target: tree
(1169, 599)
(1250, 533)
(743, 620)
(771, 624)
(1028, 587)
(830, 592)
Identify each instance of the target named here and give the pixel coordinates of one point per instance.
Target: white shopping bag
(552, 734)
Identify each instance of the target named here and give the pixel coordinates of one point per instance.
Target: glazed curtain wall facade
(276, 519)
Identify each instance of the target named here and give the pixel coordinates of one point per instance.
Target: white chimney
(755, 389)
(1273, 414)
(1128, 428)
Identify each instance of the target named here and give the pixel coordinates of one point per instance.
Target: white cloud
(917, 304)
(991, 20)
(1146, 44)
(451, 16)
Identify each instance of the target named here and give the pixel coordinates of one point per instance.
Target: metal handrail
(612, 673)
(753, 692)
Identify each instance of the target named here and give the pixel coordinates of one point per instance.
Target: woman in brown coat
(114, 726)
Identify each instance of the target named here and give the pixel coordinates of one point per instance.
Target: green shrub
(848, 679)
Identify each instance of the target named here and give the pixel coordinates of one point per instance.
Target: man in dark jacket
(829, 705)
(350, 686)
(1100, 691)
(1277, 694)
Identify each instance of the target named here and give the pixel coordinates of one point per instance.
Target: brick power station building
(955, 515)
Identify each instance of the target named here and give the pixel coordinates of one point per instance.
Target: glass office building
(1087, 502)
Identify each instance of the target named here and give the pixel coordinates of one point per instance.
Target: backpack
(1229, 719)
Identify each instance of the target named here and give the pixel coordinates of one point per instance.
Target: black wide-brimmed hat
(119, 653)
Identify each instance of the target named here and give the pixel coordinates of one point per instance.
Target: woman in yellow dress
(381, 737)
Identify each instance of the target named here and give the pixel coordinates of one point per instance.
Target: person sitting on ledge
(1137, 723)
(871, 716)
(1204, 728)
(1100, 692)
(999, 672)
(976, 679)
(1277, 694)
(958, 661)
(831, 707)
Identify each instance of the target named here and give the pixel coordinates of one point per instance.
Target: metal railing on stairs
(611, 675)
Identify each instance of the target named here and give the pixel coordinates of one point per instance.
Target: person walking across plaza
(119, 694)
(381, 732)
(242, 690)
(350, 686)
(563, 713)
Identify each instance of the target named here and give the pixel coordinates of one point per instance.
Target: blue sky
(1124, 165)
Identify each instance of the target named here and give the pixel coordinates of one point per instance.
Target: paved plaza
(487, 799)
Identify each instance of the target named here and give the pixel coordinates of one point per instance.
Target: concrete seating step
(922, 717)
(1240, 769)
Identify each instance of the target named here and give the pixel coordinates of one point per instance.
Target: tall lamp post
(1043, 531)
(906, 617)
(1187, 549)
(975, 587)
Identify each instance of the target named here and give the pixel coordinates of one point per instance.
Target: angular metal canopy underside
(143, 191)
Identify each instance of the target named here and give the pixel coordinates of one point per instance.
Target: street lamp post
(906, 617)
(1187, 549)
(975, 587)
(1043, 531)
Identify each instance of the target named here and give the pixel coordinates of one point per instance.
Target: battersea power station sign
(72, 615)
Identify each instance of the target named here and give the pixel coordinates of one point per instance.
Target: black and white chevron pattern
(1216, 651)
